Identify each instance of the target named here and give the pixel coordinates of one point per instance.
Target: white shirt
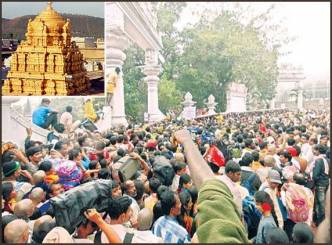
(139, 236)
(175, 183)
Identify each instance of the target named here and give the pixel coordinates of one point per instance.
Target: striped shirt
(170, 231)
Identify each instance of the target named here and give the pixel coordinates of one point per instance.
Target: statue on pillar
(113, 78)
(211, 104)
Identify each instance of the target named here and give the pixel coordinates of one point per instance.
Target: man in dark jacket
(321, 178)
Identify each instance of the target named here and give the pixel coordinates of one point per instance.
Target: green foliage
(169, 96)
(205, 58)
(135, 89)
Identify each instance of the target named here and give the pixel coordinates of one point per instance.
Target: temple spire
(49, 5)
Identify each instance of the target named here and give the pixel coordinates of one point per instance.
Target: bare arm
(199, 170)
(143, 163)
(95, 217)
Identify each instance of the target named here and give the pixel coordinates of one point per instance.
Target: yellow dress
(89, 111)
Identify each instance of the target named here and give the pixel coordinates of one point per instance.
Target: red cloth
(93, 155)
(215, 156)
(151, 144)
(291, 150)
(262, 128)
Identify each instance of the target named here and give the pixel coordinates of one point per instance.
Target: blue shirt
(39, 116)
(170, 231)
(265, 224)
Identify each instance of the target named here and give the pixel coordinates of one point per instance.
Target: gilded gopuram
(47, 62)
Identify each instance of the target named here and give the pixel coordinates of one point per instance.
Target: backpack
(300, 213)
(251, 215)
(248, 184)
(163, 170)
(69, 206)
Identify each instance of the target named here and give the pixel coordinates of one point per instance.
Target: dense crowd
(258, 177)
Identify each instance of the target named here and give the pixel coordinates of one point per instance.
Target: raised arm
(94, 216)
(199, 170)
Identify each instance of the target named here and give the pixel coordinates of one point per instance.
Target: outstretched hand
(182, 136)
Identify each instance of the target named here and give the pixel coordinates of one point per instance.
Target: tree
(223, 50)
(135, 89)
(169, 97)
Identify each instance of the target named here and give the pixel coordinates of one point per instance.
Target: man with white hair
(17, 231)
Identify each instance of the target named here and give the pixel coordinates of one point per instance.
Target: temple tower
(47, 62)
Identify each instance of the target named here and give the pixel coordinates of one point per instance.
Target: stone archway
(132, 21)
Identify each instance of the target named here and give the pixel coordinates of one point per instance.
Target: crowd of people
(258, 177)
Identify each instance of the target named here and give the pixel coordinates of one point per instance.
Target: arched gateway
(134, 21)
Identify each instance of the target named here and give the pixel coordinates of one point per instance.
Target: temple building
(47, 62)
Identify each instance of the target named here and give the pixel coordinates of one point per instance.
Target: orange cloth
(256, 165)
(51, 178)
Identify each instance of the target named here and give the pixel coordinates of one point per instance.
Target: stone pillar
(272, 104)
(7, 129)
(115, 42)
(151, 70)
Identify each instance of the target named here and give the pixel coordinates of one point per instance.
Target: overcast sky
(308, 22)
(15, 9)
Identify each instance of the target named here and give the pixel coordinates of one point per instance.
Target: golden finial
(49, 5)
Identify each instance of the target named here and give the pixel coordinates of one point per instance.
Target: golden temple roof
(52, 19)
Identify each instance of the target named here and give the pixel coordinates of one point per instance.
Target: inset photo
(53, 49)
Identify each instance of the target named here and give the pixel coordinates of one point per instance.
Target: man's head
(274, 179)
(302, 234)
(144, 219)
(130, 188)
(120, 209)
(11, 169)
(233, 171)
(285, 157)
(269, 161)
(56, 189)
(324, 139)
(246, 160)
(17, 231)
(41, 227)
(319, 149)
(37, 195)
(24, 209)
(45, 102)
(69, 109)
(179, 168)
(214, 167)
(75, 155)
(46, 166)
(34, 154)
(154, 184)
(61, 147)
(170, 203)
(38, 177)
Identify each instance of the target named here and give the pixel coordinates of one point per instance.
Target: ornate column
(151, 70)
(115, 42)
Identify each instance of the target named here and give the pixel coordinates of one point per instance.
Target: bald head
(24, 209)
(269, 161)
(144, 219)
(37, 195)
(17, 231)
(39, 176)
